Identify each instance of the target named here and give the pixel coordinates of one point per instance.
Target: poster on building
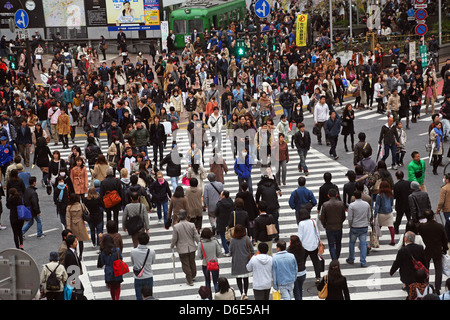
(301, 28)
(96, 13)
(151, 10)
(64, 13)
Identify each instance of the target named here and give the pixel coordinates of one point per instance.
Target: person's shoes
(349, 261)
(306, 173)
(435, 173)
(190, 283)
(394, 167)
(336, 157)
(320, 143)
(244, 297)
(363, 265)
(2, 227)
(42, 236)
(392, 243)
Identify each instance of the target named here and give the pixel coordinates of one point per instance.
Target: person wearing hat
(61, 275)
(23, 175)
(419, 202)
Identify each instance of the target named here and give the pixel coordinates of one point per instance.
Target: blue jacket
(332, 128)
(301, 196)
(284, 269)
(383, 204)
(6, 154)
(243, 170)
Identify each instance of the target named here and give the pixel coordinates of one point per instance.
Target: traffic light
(240, 48)
(13, 63)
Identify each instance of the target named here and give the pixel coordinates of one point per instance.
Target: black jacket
(224, 210)
(260, 230)
(31, 200)
(173, 168)
(191, 105)
(249, 204)
(267, 191)
(301, 142)
(435, 239)
(157, 135)
(404, 262)
(110, 183)
(418, 202)
(388, 136)
(402, 189)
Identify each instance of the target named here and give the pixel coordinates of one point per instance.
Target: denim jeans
(393, 149)
(30, 223)
(334, 242)
(286, 291)
(174, 181)
(96, 229)
(445, 127)
(139, 283)
(165, 208)
(361, 235)
(298, 287)
(224, 242)
(215, 277)
(302, 163)
(143, 148)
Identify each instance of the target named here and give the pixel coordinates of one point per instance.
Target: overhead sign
(21, 19)
(262, 8)
(421, 14)
(421, 29)
(301, 30)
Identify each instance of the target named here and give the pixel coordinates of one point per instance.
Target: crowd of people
(208, 86)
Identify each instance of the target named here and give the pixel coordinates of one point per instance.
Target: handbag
(271, 230)
(86, 213)
(321, 246)
(211, 264)
(119, 267)
(323, 294)
(418, 265)
(276, 295)
(230, 230)
(138, 271)
(135, 223)
(185, 180)
(111, 199)
(23, 213)
(316, 130)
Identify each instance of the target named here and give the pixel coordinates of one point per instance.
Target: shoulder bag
(23, 212)
(230, 230)
(119, 267)
(111, 199)
(321, 247)
(211, 264)
(271, 230)
(323, 294)
(138, 271)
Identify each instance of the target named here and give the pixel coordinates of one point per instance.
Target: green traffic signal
(240, 48)
(241, 51)
(12, 57)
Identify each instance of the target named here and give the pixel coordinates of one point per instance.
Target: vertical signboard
(164, 34)
(301, 26)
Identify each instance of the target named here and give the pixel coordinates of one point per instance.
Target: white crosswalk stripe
(364, 283)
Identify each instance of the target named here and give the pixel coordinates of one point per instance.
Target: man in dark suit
(73, 266)
(436, 244)
(404, 259)
(402, 189)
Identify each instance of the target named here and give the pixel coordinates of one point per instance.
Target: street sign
(421, 29)
(262, 8)
(420, 6)
(421, 14)
(411, 13)
(420, 1)
(21, 19)
(23, 34)
(424, 56)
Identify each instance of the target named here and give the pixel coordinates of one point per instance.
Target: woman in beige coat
(75, 222)
(99, 172)
(177, 202)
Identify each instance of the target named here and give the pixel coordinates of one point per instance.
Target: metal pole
(440, 23)
(350, 19)
(331, 26)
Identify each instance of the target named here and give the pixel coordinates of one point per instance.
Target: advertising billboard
(132, 15)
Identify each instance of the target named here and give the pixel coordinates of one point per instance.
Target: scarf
(61, 193)
(439, 139)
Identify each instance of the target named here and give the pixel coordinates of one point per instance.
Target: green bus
(202, 14)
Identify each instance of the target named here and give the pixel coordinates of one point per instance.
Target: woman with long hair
(42, 156)
(209, 249)
(337, 283)
(100, 167)
(383, 208)
(109, 254)
(177, 203)
(79, 177)
(14, 199)
(296, 248)
(348, 128)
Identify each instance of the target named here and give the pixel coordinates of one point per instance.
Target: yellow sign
(301, 35)
(151, 17)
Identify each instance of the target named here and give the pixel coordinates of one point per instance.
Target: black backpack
(53, 283)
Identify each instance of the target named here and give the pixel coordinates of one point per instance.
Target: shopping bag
(446, 264)
(276, 295)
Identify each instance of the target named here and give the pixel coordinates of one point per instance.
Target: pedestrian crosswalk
(373, 282)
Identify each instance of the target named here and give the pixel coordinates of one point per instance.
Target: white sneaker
(2, 227)
(159, 221)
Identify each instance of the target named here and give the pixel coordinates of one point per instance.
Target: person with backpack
(421, 287)
(53, 278)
